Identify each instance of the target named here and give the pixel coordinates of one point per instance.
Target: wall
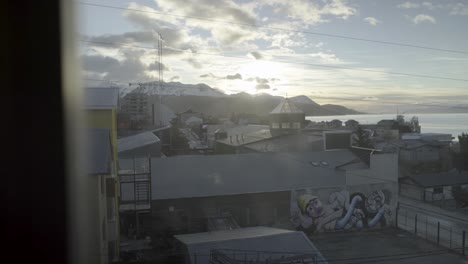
(356, 207)
(424, 154)
(107, 118)
(412, 191)
(383, 167)
(368, 206)
(261, 209)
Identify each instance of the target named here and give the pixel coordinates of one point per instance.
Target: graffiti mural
(341, 210)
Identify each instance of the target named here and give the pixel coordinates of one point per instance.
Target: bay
(453, 124)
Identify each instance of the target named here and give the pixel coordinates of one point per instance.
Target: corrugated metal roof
(136, 141)
(292, 142)
(101, 98)
(286, 107)
(452, 177)
(249, 243)
(223, 235)
(99, 151)
(213, 175)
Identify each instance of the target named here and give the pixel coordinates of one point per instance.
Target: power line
(280, 29)
(306, 63)
(336, 98)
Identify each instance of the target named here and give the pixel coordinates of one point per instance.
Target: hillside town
(191, 187)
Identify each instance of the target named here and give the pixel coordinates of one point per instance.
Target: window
(285, 125)
(438, 190)
(296, 125)
(275, 125)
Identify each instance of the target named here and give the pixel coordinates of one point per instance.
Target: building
(102, 197)
(431, 187)
(190, 117)
(146, 109)
(101, 105)
(232, 140)
(145, 144)
(247, 245)
(286, 118)
(273, 189)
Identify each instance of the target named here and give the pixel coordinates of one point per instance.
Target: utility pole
(160, 74)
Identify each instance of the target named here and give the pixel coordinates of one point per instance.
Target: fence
(229, 256)
(433, 229)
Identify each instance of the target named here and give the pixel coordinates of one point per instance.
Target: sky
(285, 48)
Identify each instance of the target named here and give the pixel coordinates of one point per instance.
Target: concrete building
(101, 195)
(189, 117)
(101, 105)
(286, 118)
(146, 108)
(274, 189)
(431, 187)
(235, 137)
(246, 245)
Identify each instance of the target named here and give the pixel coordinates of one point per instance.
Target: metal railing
(433, 229)
(229, 256)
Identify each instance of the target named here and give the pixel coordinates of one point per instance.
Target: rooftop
(251, 242)
(294, 142)
(286, 107)
(214, 175)
(136, 141)
(241, 135)
(452, 177)
(101, 98)
(223, 235)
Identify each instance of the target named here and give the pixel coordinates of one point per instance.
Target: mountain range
(211, 101)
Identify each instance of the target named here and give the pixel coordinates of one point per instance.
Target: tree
(463, 141)
(178, 142)
(363, 139)
(461, 159)
(460, 196)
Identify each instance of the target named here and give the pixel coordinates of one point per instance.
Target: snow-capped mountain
(173, 88)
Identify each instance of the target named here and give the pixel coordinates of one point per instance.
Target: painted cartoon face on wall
(310, 205)
(315, 208)
(375, 201)
(342, 212)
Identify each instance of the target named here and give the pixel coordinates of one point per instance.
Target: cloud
(370, 98)
(206, 75)
(98, 63)
(194, 63)
(408, 5)
(311, 12)
(262, 86)
(428, 5)
(459, 9)
(236, 76)
(156, 65)
(256, 55)
(372, 21)
(174, 78)
(422, 18)
(260, 80)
